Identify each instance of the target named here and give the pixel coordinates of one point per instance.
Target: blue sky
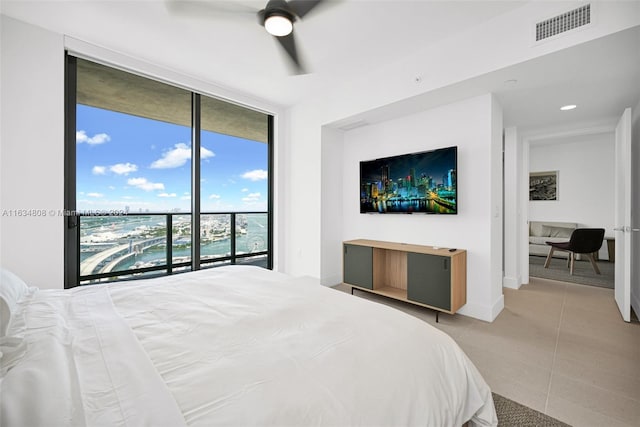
(124, 160)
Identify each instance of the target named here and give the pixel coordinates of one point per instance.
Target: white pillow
(12, 289)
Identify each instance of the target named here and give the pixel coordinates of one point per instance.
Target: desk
(611, 248)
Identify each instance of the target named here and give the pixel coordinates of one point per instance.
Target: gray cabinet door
(358, 266)
(429, 280)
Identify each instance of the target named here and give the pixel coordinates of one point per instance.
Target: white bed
(233, 345)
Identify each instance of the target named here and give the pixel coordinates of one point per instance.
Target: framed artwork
(543, 185)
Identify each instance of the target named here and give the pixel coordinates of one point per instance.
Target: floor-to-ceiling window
(146, 164)
(234, 178)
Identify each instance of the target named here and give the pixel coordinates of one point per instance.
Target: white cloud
(167, 195)
(214, 196)
(178, 156)
(123, 168)
(99, 138)
(244, 190)
(205, 153)
(144, 184)
(118, 169)
(95, 194)
(111, 187)
(251, 197)
(256, 175)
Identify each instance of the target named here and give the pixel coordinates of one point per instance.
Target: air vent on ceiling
(565, 22)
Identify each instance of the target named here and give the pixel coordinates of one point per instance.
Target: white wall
(32, 145)
(473, 227)
(512, 211)
(635, 209)
(492, 293)
(331, 226)
(585, 166)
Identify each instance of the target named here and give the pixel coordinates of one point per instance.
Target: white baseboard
(483, 312)
(512, 282)
(498, 306)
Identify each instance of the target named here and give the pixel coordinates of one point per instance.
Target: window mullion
(270, 160)
(195, 181)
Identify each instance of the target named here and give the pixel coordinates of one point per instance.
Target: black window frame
(72, 273)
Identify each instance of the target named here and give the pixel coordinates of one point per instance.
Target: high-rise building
(366, 190)
(384, 174)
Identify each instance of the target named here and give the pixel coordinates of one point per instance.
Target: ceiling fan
(277, 17)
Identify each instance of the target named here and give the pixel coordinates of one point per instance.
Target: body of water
(96, 232)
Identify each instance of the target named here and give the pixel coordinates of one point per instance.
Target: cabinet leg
(352, 290)
(437, 314)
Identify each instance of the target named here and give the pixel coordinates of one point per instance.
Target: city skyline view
(436, 164)
(125, 162)
(418, 182)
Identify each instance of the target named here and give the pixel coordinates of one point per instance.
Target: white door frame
(523, 196)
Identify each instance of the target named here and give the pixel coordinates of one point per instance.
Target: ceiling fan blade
(288, 42)
(302, 7)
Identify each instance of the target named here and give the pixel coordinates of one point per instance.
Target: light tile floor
(560, 348)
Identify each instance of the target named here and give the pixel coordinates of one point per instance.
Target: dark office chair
(582, 241)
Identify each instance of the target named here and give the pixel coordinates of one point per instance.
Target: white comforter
(233, 346)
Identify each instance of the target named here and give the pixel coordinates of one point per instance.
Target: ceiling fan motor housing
(276, 8)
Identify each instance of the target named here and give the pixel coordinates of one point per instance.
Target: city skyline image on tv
(424, 182)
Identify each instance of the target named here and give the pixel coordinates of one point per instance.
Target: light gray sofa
(541, 232)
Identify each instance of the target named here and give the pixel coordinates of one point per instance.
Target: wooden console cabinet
(424, 275)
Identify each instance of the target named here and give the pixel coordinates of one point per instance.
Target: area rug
(583, 273)
(512, 413)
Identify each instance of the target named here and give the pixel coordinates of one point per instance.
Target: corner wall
(32, 145)
(478, 225)
(32, 159)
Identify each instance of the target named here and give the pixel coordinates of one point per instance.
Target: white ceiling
(343, 40)
(601, 77)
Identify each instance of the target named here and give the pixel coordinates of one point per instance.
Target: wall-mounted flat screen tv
(424, 182)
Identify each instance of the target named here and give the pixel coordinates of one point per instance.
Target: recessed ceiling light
(568, 107)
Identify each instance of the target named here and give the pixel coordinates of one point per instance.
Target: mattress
(236, 345)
